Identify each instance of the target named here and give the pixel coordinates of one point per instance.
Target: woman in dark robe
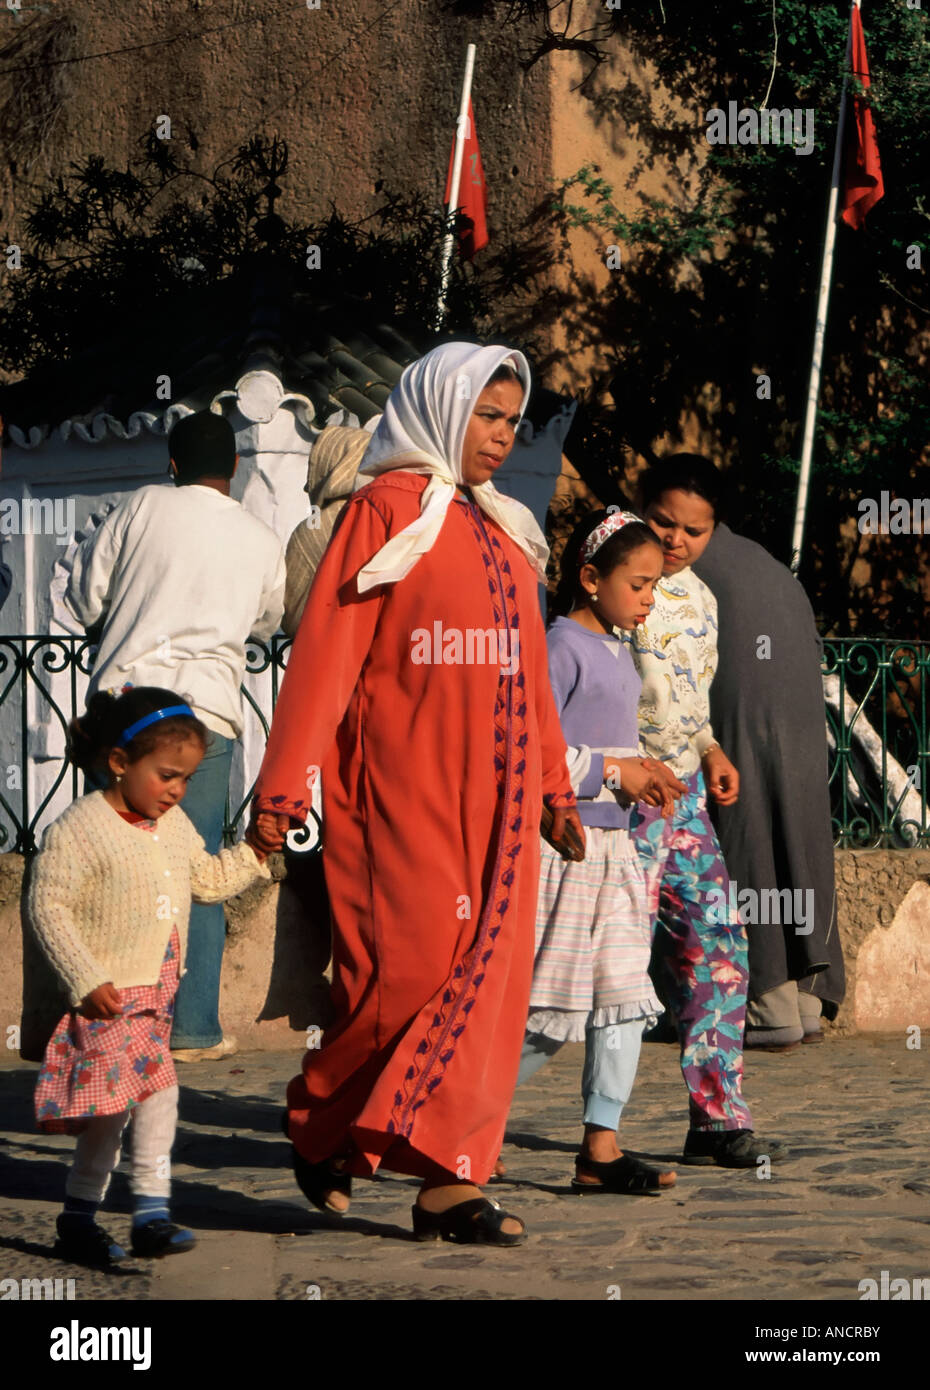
(767, 709)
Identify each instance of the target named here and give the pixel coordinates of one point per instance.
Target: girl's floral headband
(603, 532)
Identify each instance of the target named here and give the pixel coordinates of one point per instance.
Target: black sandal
(477, 1222)
(315, 1180)
(624, 1174)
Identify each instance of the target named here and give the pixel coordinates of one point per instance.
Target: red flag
(862, 180)
(472, 199)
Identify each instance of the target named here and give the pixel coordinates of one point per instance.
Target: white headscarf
(422, 431)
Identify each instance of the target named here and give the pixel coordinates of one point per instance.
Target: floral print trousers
(702, 962)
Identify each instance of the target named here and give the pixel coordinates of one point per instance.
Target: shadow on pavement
(126, 1270)
(199, 1205)
(18, 1088)
(524, 1140)
(541, 1142)
(198, 1106)
(213, 1151)
(33, 1180)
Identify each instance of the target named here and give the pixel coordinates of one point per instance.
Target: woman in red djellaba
(418, 685)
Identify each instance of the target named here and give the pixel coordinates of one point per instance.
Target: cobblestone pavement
(852, 1201)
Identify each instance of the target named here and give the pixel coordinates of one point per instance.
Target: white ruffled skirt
(593, 940)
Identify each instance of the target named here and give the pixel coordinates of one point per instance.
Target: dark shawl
(768, 715)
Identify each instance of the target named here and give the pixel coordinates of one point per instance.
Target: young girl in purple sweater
(590, 978)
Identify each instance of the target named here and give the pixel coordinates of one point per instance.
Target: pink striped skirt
(593, 938)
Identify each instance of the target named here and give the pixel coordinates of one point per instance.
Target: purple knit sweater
(596, 690)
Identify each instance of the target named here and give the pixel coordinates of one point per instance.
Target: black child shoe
(731, 1148)
(160, 1237)
(84, 1242)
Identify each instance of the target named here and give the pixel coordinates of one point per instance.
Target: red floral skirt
(102, 1067)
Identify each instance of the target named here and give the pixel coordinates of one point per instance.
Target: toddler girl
(109, 901)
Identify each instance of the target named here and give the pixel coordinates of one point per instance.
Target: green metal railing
(876, 718)
(28, 666)
(880, 761)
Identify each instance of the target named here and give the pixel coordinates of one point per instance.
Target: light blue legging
(611, 1055)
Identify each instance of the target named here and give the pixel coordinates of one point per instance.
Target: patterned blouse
(675, 653)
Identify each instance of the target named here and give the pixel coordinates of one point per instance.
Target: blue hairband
(128, 734)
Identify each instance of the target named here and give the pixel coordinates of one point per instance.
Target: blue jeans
(197, 1002)
(611, 1055)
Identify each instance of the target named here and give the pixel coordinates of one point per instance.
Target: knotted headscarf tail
(422, 431)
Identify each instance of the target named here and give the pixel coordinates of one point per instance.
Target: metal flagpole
(460, 132)
(823, 301)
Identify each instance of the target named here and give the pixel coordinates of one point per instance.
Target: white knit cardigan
(104, 894)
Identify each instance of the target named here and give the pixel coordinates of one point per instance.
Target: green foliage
(720, 271)
(123, 271)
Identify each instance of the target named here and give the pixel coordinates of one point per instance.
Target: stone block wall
(883, 905)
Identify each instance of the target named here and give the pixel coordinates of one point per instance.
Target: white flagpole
(460, 131)
(823, 301)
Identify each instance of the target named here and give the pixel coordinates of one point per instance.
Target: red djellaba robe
(433, 779)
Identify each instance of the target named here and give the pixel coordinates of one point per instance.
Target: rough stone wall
(360, 90)
(871, 887)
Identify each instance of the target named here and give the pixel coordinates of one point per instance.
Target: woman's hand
(563, 818)
(721, 777)
(646, 780)
(266, 833)
(669, 783)
(103, 1002)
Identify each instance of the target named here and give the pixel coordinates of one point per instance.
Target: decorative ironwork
(32, 714)
(876, 700)
(877, 691)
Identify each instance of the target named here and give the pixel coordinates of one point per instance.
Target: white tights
(154, 1122)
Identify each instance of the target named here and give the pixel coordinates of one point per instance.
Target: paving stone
(763, 1214)
(761, 1189)
(865, 1164)
(892, 1242)
(454, 1262)
(849, 1190)
(812, 1230)
(801, 1257)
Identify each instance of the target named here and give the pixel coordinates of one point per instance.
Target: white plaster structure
(94, 463)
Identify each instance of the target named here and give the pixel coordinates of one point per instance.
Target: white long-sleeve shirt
(182, 577)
